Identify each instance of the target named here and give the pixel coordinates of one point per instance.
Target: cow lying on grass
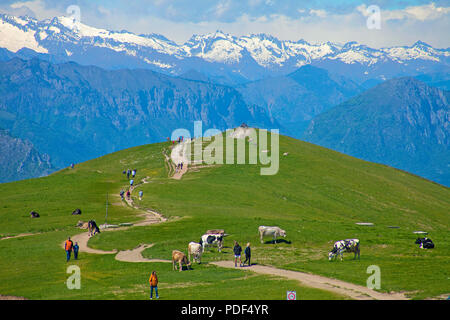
(273, 232)
(425, 243)
(347, 245)
(180, 258)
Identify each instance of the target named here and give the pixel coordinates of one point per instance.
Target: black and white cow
(425, 243)
(208, 240)
(347, 245)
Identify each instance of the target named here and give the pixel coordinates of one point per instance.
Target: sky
(376, 23)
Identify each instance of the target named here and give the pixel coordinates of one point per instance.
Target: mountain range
(221, 57)
(402, 122)
(74, 113)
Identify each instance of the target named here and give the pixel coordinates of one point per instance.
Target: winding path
(315, 281)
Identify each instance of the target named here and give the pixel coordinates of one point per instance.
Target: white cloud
(320, 13)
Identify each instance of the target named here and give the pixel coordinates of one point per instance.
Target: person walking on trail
(133, 173)
(128, 194)
(153, 280)
(68, 247)
(237, 254)
(128, 174)
(122, 193)
(131, 184)
(76, 248)
(181, 165)
(248, 254)
(140, 194)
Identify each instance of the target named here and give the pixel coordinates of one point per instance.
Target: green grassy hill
(317, 197)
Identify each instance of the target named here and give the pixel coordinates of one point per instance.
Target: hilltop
(317, 197)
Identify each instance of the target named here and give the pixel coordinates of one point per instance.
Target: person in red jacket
(153, 284)
(68, 245)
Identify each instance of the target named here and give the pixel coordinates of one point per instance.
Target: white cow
(347, 245)
(211, 239)
(195, 249)
(271, 231)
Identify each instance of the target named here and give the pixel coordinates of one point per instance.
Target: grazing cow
(195, 249)
(210, 240)
(425, 243)
(347, 245)
(34, 214)
(180, 258)
(93, 228)
(274, 232)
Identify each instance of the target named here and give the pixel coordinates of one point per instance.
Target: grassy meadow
(317, 196)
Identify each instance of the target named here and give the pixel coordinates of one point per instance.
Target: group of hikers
(69, 246)
(237, 254)
(131, 173)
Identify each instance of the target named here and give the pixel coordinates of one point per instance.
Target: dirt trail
(150, 217)
(341, 287)
(135, 255)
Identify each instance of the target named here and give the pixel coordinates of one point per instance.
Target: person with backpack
(140, 194)
(122, 193)
(128, 174)
(68, 245)
(248, 254)
(153, 280)
(128, 194)
(75, 250)
(237, 254)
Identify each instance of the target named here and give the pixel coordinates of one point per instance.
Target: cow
(34, 214)
(208, 240)
(180, 258)
(274, 232)
(93, 228)
(347, 245)
(425, 243)
(195, 249)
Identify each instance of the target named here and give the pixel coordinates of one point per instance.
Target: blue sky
(402, 22)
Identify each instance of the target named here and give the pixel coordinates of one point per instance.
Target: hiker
(128, 194)
(181, 166)
(248, 254)
(128, 174)
(75, 250)
(237, 254)
(72, 165)
(133, 173)
(153, 284)
(122, 193)
(140, 194)
(68, 247)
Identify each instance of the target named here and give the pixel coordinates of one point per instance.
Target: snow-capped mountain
(222, 57)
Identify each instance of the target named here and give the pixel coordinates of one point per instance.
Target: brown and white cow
(180, 258)
(195, 249)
